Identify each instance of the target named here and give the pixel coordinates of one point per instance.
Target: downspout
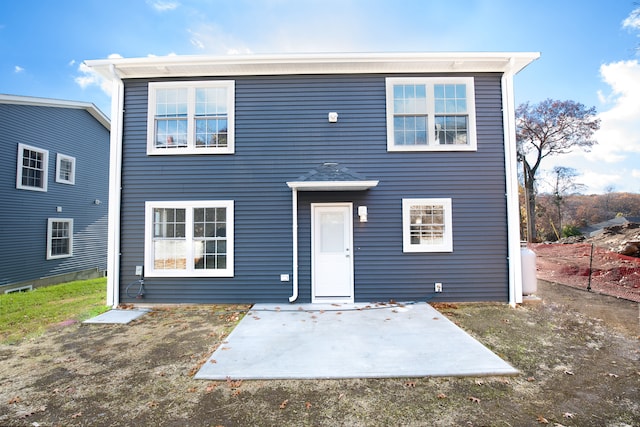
(513, 209)
(115, 182)
(294, 232)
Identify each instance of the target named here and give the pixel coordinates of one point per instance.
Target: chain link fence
(589, 267)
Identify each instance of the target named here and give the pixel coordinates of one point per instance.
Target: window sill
(416, 148)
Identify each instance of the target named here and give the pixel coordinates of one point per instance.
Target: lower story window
(192, 238)
(59, 238)
(426, 225)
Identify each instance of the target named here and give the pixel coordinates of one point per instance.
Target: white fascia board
(331, 185)
(355, 63)
(57, 103)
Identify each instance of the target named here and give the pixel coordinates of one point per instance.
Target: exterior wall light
(362, 213)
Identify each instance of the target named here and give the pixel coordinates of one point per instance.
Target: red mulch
(569, 264)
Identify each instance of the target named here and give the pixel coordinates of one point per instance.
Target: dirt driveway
(578, 354)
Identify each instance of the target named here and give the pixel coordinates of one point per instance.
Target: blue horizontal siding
(282, 132)
(24, 213)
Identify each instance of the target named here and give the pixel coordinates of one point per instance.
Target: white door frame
(348, 255)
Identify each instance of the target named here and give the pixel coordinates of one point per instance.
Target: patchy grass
(577, 353)
(26, 314)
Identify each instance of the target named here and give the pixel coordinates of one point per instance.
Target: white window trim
(45, 172)
(150, 270)
(431, 136)
(446, 246)
(191, 87)
(50, 222)
(72, 160)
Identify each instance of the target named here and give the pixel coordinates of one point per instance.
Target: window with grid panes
(59, 238)
(191, 117)
(427, 225)
(430, 114)
(189, 239)
(65, 169)
(32, 168)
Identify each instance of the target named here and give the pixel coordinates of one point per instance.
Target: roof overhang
(58, 103)
(331, 176)
(331, 185)
(288, 64)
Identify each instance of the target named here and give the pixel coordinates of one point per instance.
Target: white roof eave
(238, 65)
(58, 103)
(331, 185)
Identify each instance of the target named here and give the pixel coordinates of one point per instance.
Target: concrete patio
(322, 341)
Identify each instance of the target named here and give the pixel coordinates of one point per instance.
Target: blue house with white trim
(54, 188)
(314, 178)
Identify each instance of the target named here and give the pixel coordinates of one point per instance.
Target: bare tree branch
(547, 129)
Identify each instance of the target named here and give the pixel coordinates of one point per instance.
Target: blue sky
(589, 49)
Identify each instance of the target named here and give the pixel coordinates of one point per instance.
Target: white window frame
(45, 170)
(432, 144)
(189, 271)
(191, 131)
(50, 222)
(446, 245)
(59, 159)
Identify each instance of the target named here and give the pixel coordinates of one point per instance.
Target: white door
(332, 252)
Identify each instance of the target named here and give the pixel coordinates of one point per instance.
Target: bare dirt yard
(598, 262)
(578, 354)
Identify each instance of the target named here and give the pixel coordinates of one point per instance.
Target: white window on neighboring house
(426, 225)
(431, 114)
(32, 168)
(193, 238)
(191, 117)
(59, 238)
(65, 169)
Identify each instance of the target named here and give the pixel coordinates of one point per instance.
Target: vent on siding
(20, 289)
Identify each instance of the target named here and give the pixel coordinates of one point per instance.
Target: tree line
(576, 211)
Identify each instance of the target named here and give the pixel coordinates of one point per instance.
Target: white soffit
(331, 185)
(239, 65)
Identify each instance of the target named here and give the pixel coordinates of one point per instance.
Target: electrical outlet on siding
(438, 287)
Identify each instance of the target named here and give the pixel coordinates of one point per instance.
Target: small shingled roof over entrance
(332, 177)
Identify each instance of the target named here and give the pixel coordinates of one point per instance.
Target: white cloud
(88, 78)
(195, 40)
(598, 182)
(633, 20)
(72, 63)
(18, 69)
(163, 6)
(635, 173)
(619, 134)
(212, 39)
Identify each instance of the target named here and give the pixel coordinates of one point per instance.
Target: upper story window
(430, 114)
(426, 225)
(191, 117)
(65, 169)
(32, 168)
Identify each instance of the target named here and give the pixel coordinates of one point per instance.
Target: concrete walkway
(315, 341)
(118, 316)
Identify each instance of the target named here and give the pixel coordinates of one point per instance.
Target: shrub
(570, 230)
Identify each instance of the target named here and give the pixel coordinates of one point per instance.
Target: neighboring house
(54, 189)
(314, 178)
